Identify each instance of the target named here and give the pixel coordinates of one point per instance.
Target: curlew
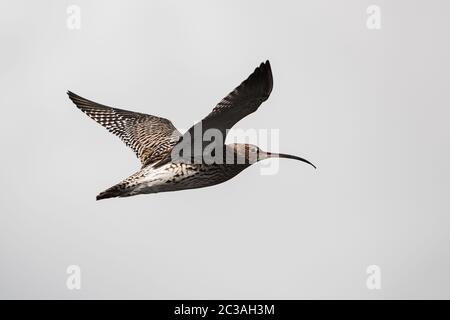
(154, 140)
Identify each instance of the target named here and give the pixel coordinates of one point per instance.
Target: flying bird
(154, 140)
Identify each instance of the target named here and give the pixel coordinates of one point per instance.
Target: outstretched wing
(243, 100)
(150, 137)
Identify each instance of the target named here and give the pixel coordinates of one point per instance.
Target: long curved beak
(287, 156)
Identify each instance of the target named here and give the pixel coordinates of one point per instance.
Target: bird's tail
(122, 189)
(119, 190)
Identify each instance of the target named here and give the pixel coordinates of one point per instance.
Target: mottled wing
(150, 137)
(242, 101)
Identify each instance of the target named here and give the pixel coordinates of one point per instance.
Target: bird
(155, 139)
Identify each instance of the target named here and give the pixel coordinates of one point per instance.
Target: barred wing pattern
(242, 101)
(150, 137)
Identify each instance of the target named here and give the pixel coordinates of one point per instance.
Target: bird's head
(252, 154)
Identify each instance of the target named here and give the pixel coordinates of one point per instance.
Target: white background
(369, 107)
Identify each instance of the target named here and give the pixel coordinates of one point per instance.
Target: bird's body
(155, 139)
(173, 177)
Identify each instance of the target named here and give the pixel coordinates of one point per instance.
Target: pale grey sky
(369, 107)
